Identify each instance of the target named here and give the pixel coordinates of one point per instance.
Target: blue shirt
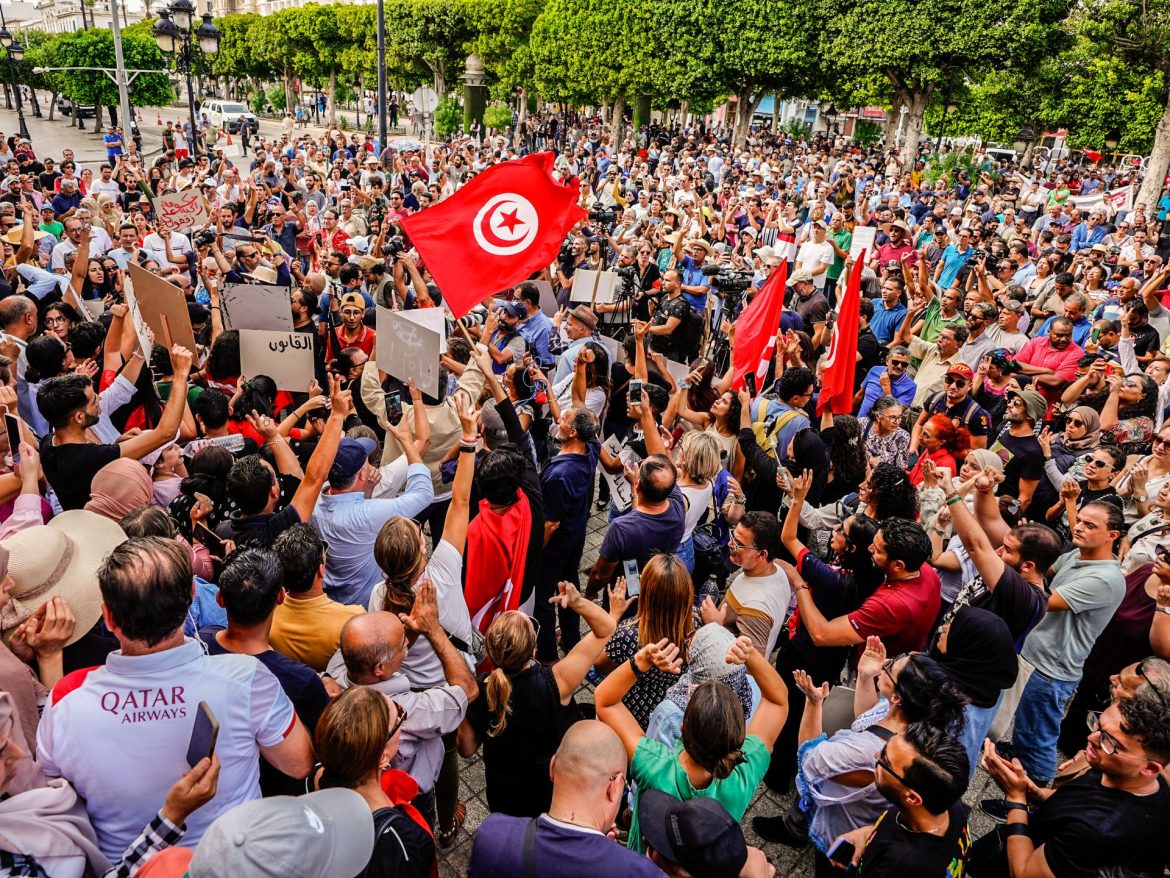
(536, 331)
(902, 389)
(113, 144)
(350, 522)
(692, 276)
(1082, 329)
(1083, 239)
(63, 202)
(565, 484)
(885, 323)
(953, 261)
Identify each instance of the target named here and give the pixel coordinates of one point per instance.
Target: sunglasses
(958, 382)
(402, 717)
(1158, 440)
(900, 364)
(1162, 552)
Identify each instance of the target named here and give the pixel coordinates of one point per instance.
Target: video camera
(727, 280)
(393, 246)
(599, 213)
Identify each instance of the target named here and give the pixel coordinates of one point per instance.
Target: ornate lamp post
(172, 32)
(14, 54)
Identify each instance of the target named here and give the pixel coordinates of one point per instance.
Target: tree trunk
(917, 103)
(1158, 164)
(331, 101)
(745, 108)
(440, 79)
(289, 94)
(52, 105)
(775, 111)
(615, 125)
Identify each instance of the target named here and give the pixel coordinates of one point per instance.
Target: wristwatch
(1141, 499)
(1165, 610)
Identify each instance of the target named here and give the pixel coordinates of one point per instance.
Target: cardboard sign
(256, 306)
(143, 331)
(434, 319)
(407, 349)
(587, 282)
(180, 211)
(548, 299)
(613, 347)
(163, 307)
(621, 491)
(285, 357)
(863, 239)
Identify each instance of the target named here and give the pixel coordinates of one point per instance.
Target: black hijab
(809, 453)
(980, 656)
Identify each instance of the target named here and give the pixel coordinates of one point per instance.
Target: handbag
(711, 551)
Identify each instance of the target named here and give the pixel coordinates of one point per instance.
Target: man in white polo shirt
(120, 733)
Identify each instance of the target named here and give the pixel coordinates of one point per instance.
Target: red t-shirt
(901, 613)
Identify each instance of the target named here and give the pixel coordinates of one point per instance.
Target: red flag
(756, 328)
(1092, 155)
(841, 362)
(496, 231)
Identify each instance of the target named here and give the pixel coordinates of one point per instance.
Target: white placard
(285, 357)
(678, 371)
(257, 306)
(612, 347)
(140, 327)
(621, 492)
(433, 319)
(584, 279)
(407, 349)
(863, 239)
(548, 299)
(180, 211)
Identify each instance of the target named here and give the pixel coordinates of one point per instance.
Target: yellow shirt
(309, 629)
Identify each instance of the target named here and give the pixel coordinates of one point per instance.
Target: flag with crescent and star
(841, 361)
(496, 231)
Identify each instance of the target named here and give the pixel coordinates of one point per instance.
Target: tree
(917, 45)
(95, 48)
(502, 31)
(238, 57)
(428, 35)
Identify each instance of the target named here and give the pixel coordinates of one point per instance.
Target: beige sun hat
(61, 559)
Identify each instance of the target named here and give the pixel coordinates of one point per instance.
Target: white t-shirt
(119, 733)
(444, 570)
(699, 501)
(762, 596)
(812, 255)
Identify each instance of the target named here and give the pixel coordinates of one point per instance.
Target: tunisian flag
(497, 547)
(756, 329)
(841, 362)
(496, 231)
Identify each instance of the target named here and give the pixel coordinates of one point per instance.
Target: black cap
(698, 834)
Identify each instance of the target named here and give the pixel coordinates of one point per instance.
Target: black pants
(782, 768)
(559, 561)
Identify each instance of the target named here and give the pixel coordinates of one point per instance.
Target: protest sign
(163, 307)
(256, 306)
(620, 491)
(548, 299)
(592, 287)
(140, 328)
(434, 319)
(407, 349)
(863, 240)
(180, 211)
(285, 357)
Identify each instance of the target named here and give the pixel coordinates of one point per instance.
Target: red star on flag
(510, 220)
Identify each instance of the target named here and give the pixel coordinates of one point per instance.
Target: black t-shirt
(1015, 600)
(258, 530)
(516, 760)
(896, 852)
(1026, 462)
(1088, 829)
(70, 468)
(673, 345)
(967, 414)
(869, 348)
(394, 833)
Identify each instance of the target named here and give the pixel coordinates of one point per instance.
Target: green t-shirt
(844, 240)
(56, 229)
(656, 767)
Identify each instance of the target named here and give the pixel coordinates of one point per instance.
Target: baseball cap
(1013, 305)
(352, 455)
(330, 832)
(798, 276)
(515, 309)
(353, 300)
(963, 371)
(697, 834)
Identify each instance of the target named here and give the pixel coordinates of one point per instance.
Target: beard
(889, 792)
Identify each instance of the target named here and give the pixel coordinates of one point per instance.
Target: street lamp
(1112, 139)
(14, 54)
(1024, 136)
(830, 114)
(172, 32)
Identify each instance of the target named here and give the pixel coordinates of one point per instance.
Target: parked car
(227, 114)
(65, 107)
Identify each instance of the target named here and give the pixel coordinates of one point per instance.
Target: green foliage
(258, 101)
(944, 168)
(448, 116)
(797, 129)
(238, 54)
(498, 116)
(866, 132)
(95, 48)
(501, 38)
(275, 96)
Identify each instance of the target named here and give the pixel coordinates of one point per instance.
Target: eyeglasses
(402, 717)
(893, 419)
(734, 544)
(884, 761)
(1110, 746)
(1141, 672)
(899, 364)
(1158, 440)
(958, 382)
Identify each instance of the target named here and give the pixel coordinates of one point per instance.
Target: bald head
(589, 755)
(373, 646)
(316, 282)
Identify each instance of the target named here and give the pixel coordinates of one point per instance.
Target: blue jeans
(976, 722)
(686, 553)
(1037, 728)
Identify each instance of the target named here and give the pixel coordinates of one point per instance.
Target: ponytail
(499, 695)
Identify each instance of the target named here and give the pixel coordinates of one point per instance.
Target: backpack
(767, 429)
(690, 332)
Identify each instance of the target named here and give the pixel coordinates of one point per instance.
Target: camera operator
(639, 274)
(672, 328)
(571, 257)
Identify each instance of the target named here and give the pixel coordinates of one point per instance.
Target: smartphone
(12, 422)
(749, 380)
(842, 852)
(633, 577)
(210, 541)
(203, 735)
(782, 472)
(394, 407)
(636, 392)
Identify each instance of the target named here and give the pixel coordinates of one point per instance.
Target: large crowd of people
(252, 631)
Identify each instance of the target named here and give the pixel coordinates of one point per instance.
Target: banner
(257, 306)
(180, 211)
(285, 357)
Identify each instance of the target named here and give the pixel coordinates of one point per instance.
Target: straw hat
(14, 235)
(61, 559)
(263, 274)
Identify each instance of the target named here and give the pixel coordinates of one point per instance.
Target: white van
(221, 113)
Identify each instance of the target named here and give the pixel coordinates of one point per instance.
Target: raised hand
(871, 661)
(619, 599)
(740, 651)
(814, 693)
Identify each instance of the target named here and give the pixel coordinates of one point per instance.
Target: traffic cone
(229, 140)
(158, 119)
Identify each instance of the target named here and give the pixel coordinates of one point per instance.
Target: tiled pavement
(789, 863)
